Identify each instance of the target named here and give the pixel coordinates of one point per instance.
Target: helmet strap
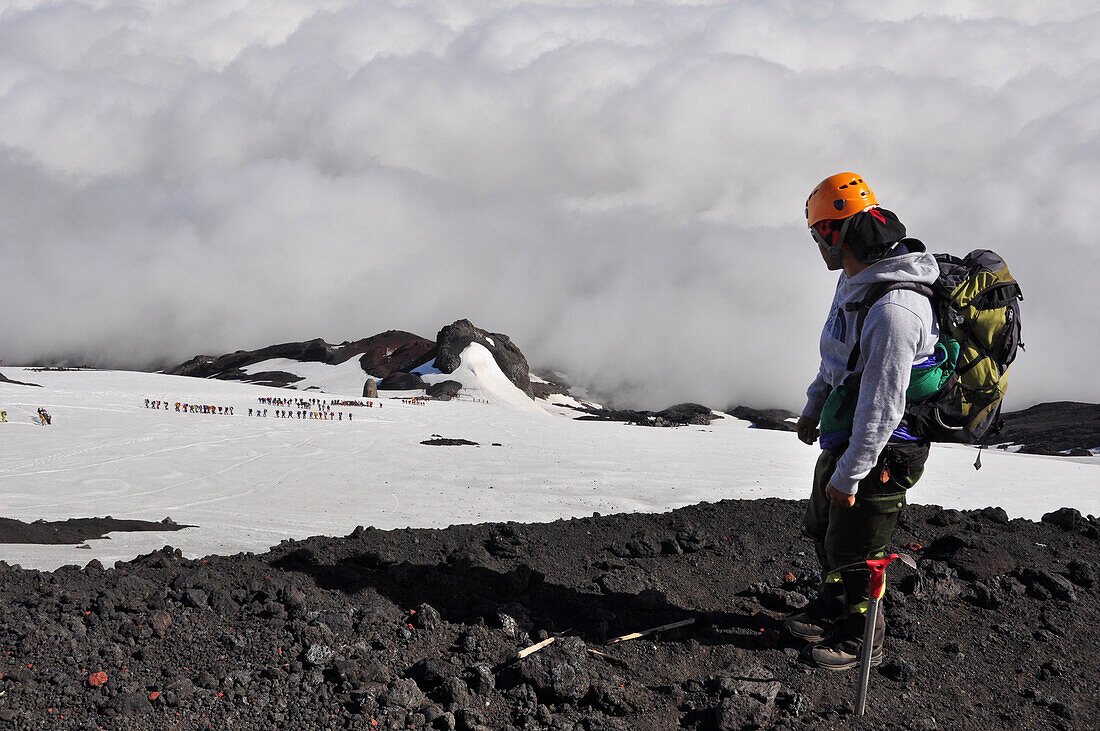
(836, 256)
(832, 251)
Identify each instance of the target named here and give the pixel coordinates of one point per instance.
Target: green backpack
(976, 303)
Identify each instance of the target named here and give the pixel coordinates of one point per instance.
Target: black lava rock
(403, 693)
(1065, 518)
(897, 669)
(443, 390)
(400, 381)
(454, 338)
(427, 617)
(558, 674)
(771, 419)
(1081, 573)
(687, 413)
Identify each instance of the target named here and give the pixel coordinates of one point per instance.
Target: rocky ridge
(393, 350)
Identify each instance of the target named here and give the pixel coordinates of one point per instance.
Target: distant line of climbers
(189, 408)
(313, 403)
(303, 414)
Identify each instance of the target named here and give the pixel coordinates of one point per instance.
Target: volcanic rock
(430, 672)
(319, 655)
(128, 704)
(678, 415)
(995, 515)
(1065, 518)
(1042, 583)
(379, 354)
(5, 379)
(897, 669)
(551, 383)
(981, 563)
(748, 698)
(558, 674)
(403, 693)
(75, 530)
(772, 419)
(1053, 428)
(1062, 428)
(393, 350)
(937, 582)
(687, 413)
(443, 390)
(1081, 573)
(453, 339)
(193, 598)
(400, 381)
(427, 617)
(448, 442)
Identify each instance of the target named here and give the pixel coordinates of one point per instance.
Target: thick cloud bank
(618, 186)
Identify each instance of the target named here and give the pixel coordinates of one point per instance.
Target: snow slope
(247, 483)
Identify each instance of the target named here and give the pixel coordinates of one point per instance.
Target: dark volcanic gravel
(998, 628)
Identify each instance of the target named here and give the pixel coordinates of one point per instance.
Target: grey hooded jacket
(899, 332)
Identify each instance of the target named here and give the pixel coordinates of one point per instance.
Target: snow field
(246, 483)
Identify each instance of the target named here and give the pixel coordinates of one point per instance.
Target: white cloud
(617, 186)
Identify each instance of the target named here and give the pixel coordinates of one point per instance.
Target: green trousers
(844, 535)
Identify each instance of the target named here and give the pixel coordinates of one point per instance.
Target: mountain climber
(869, 457)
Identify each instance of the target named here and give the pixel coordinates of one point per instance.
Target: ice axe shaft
(865, 655)
(877, 587)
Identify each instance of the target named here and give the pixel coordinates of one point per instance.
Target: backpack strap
(864, 306)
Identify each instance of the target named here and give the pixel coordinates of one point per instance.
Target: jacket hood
(913, 263)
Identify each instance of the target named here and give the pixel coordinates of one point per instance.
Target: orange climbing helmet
(838, 196)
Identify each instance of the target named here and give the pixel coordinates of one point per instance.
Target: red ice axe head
(877, 569)
(878, 574)
(877, 566)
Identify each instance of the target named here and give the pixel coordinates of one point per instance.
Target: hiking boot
(843, 650)
(843, 654)
(820, 617)
(808, 628)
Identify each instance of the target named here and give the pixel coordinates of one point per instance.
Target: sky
(617, 186)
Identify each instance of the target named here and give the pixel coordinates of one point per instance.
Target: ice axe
(877, 568)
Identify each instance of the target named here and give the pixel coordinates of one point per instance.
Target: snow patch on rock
(345, 379)
(481, 377)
